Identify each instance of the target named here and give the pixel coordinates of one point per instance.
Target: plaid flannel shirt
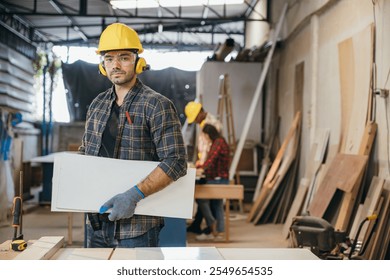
(218, 160)
(152, 134)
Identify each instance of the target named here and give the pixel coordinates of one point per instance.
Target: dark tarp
(83, 83)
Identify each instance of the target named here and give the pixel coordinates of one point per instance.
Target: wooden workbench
(227, 192)
(51, 248)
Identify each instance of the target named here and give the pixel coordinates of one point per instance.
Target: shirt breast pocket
(136, 136)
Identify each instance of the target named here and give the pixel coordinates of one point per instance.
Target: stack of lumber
(278, 189)
(373, 239)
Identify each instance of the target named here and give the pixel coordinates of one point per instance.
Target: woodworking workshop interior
(251, 129)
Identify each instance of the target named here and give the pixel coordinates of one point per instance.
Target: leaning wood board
(369, 206)
(296, 206)
(342, 174)
(272, 175)
(347, 86)
(355, 65)
(383, 218)
(320, 146)
(350, 198)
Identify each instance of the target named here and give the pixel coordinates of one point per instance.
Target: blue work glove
(123, 204)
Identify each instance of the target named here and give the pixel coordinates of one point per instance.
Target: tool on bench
(323, 240)
(18, 243)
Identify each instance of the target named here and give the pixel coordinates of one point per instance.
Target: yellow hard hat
(118, 36)
(192, 110)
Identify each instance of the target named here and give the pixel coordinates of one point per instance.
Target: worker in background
(216, 171)
(130, 121)
(196, 113)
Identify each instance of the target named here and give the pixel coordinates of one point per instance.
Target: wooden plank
(347, 86)
(83, 254)
(214, 191)
(296, 206)
(347, 206)
(272, 175)
(322, 140)
(368, 240)
(167, 253)
(349, 198)
(42, 249)
(362, 51)
(386, 238)
(369, 205)
(342, 174)
(299, 76)
(383, 218)
(371, 107)
(368, 138)
(277, 200)
(288, 194)
(270, 179)
(273, 185)
(266, 162)
(267, 254)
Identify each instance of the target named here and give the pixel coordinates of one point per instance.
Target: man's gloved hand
(123, 204)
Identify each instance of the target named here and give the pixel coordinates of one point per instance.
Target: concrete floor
(39, 221)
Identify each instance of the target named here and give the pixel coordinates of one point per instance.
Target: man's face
(119, 66)
(199, 118)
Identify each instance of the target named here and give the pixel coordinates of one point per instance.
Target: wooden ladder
(225, 106)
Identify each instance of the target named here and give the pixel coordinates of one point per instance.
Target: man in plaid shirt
(131, 121)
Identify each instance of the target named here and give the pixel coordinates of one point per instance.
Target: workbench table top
(166, 253)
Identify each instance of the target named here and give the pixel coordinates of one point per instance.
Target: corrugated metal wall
(16, 81)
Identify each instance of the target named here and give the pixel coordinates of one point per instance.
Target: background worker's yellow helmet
(118, 36)
(192, 110)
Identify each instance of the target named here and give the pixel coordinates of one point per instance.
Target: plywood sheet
(347, 86)
(167, 253)
(279, 167)
(83, 254)
(360, 75)
(381, 230)
(349, 198)
(369, 205)
(320, 147)
(342, 174)
(296, 206)
(84, 183)
(267, 254)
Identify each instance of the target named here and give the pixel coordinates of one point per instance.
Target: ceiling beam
(58, 7)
